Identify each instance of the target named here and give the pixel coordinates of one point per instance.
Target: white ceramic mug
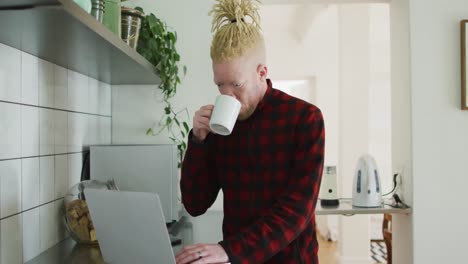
(225, 113)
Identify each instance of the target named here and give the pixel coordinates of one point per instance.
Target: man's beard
(246, 114)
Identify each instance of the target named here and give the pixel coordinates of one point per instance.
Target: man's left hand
(202, 254)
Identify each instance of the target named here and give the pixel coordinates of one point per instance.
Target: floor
(328, 252)
(378, 252)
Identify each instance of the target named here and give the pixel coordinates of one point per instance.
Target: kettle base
(329, 203)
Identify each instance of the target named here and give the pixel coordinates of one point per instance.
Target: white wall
(401, 127)
(302, 89)
(193, 26)
(354, 121)
(439, 132)
(135, 110)
(380, 92)
(48, 116)
(307, 49)
(380, 143)
(191, 22)
(305, 43)
(326, 29)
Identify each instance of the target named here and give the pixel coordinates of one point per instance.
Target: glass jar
(112, 16)
(85, 4)
(76, 212)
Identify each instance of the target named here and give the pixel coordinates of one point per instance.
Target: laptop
(130, 227)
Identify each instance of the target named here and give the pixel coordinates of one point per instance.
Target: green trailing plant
(157, 44)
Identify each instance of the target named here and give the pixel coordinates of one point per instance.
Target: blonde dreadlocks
(236, 24)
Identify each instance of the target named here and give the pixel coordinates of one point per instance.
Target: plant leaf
(157, 44)
(139, 9)
(149, 132)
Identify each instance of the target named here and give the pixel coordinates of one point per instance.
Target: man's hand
(201, 122)
(202, 254)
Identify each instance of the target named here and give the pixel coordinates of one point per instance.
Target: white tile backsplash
(62, 231)
(30, 182)
(61, 131)
(99, 130)
(29, 131)
(31, 234)
(10, 130)
(105, 99)
(46, 84)
(60, 87)
(105, 130)
(29, 79)
(61, 175)
(93, 130)
(78, 92)
(10, 187)
(47, 179)
(48, 226)
(46, 131)
(41, 143)
(94, 94)
(12, 240)
(10, 74)
(75, 163)
(77, 131)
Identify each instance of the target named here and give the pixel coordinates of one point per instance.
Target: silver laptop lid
(130, 227)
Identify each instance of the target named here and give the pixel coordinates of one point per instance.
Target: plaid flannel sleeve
(199, 185)
(293, 210)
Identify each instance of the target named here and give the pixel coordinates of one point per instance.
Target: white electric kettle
(367, 191)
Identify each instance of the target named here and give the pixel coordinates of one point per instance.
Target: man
(269, 168)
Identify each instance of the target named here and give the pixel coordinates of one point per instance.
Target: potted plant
(157, 44)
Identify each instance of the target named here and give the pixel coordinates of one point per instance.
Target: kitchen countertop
(202, 229)
(346, 208)
(70, 252)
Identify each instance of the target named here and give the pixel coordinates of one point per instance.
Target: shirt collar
(264, 102)
(266, 96)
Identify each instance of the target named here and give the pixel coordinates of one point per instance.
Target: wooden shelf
(61, 32)
(346, 208)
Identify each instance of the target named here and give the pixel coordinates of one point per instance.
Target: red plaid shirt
(269, 169)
